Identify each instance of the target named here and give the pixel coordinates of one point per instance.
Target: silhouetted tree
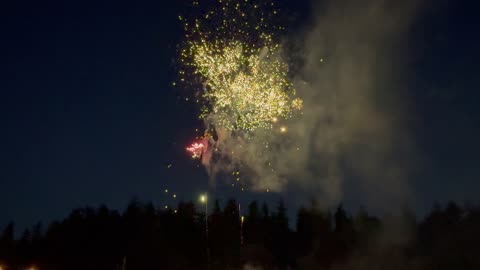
(281, 238)
(7, 244)
(143, 237)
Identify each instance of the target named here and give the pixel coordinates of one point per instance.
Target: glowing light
(174, 195)
(203, 198)
(283, 129)
(242, 219)
(166, 190)
(297, 104)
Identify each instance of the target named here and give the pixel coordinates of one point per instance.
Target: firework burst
(232, 58)
(234, 53)
(198, 147)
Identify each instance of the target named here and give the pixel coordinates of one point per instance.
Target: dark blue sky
(88, 116)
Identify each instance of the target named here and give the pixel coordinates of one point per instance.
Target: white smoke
(353, 125)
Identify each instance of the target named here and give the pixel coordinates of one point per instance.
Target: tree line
(143, 237)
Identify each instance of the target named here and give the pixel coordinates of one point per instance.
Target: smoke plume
(352, 134)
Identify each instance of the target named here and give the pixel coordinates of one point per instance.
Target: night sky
(88, 115)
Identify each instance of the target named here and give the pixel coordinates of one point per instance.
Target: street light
(204, 199)
(242, 218)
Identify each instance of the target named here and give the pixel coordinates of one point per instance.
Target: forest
(144, 237)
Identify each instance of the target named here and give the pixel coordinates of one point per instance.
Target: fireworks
(196, 149)
(233, 62)
(245, 90)
(232, 51)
